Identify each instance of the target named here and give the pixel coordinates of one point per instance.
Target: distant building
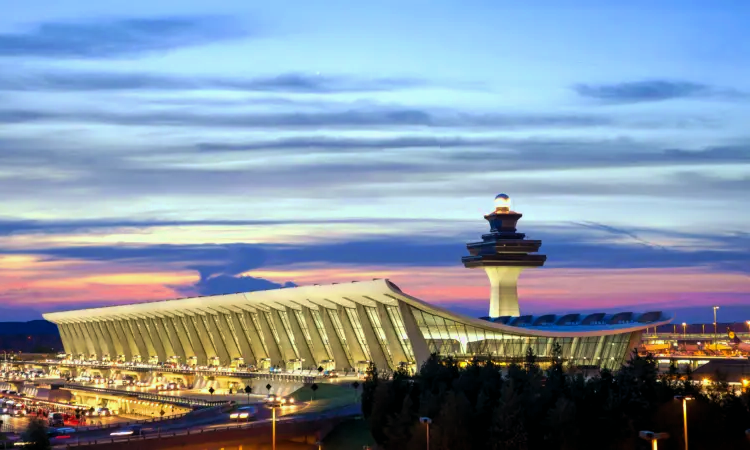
(346, 326)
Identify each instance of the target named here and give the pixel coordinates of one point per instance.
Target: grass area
(351, 434)
(328, 396)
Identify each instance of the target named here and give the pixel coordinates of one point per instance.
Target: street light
(427, 421)
(748, 326)
(684, 399)
(684, 327)
(653, 437)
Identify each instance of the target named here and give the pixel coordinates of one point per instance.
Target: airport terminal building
(346, 326)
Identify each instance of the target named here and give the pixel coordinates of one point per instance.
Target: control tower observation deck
(503, 254)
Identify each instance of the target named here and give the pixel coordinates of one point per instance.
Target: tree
(355, 386)
(36, 436)
(211, 391)
(248, 390)
(369, 387)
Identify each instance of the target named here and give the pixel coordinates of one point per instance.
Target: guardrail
(172, 400)
(203, 430)
(309, 374)
(133, 422)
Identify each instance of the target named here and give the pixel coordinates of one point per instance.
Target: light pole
(684, 399)
(653, 437)
(748, 326)
(427, 421)
(716, 345)
(273, 427)
(684, 328)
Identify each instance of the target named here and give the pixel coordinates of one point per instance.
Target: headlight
(233, 416)
(291, 400)
(243, 415)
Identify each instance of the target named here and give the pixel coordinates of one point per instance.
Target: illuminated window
(288, 330)
(303, 326)
(321, 330)
(358, 332)
(398, 325)
(372, 314)
(333, 315)
(259, 331)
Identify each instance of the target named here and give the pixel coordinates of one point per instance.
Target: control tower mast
(503, 254)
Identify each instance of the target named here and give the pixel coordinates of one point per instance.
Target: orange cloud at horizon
(30, 281)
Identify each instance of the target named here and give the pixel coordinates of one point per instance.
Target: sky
(153, 150)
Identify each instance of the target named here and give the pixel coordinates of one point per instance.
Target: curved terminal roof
(368, 293)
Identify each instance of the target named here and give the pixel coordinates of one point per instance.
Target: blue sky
(141, 142)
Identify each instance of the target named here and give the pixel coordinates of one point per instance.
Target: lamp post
(427, 421)
(684, 337)
(273, 427)
(716, 345)
(653, 437)
(748, 326)
(684, 399)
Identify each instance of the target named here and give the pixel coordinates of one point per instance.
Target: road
(212, 422)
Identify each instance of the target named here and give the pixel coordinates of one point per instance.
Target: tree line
(524, 407)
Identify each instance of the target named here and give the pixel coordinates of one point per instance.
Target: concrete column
(199, 327)
(285, 341)
(355, 348)
(231, 340)
(121, 346)
(135, 335)
(379, 355)
(67, 338)
(222, 349)
(340, 354)
(108, 348)
(88, 343)
(70, 346)
(244, 343)
(274, 352)
(391, 336)
(257, 344)
(197, 343)
(504, 290)
(182, 349)
(122, 327)
(319, 350)
(164, 338)
(154, 349)
(81, 343)
(418, 342)
(303, 347)
(100, 347)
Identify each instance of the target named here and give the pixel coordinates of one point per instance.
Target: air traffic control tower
(503, 254)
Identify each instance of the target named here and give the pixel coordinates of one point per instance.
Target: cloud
(567, 247)
(348, 144)
(19, 226)
(362, 167)
(297, 83)
(352, 118)
(226, 284)
(116, 38)
(652, 91)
